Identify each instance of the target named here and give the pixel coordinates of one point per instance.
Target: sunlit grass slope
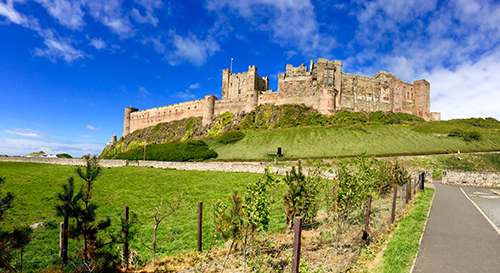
(323, 142)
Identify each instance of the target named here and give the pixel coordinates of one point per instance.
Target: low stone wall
(247, 167)
(475, 179)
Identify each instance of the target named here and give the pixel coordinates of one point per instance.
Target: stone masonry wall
(249, 167)
(475, 179)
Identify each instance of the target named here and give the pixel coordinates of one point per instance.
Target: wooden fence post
(422, 181)
(64, 240)
(367, 220)
(393, 213)
(297, 231)
(125, 243)
(200, 223)
(406, 193)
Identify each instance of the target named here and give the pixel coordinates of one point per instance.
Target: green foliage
(466, 135)
(300, 199)
(64, 155)
(79, 207)
(189, 129)
(172, 151)
(231, 137)
(258, 200)
(356, 179)
(224, 120)
(231, 219)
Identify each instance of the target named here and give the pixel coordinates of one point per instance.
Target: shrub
(472, 135)
(63, 155)
(231, 137)
(172, 151)
(456, 133)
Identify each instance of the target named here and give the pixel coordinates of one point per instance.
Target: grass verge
(405, 241)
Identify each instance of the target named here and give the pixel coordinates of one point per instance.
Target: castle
(322, 86)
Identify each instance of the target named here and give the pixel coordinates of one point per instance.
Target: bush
(472, 135)
(172, 151)
(63, 155)
(231, 137)
(456, 133)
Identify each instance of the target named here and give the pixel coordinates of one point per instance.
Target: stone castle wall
(475, 179)
(321, 86)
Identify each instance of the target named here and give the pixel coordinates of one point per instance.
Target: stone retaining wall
(476, 179)
(249, 167)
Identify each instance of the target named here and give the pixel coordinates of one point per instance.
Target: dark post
(409, 189)
(200, 222)
(367, 220)
(64, 250)
(415, 186)
(406, 193)
(297, 231)
(125, 243)
(423, 181)
(393, 214)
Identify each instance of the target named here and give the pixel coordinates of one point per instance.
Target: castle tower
(208, 109)
(327, 101)
(126, 120)
(422, 99)
(252, 100)
(226, 80)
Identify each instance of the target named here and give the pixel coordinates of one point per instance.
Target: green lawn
(35, 187)
(339, 141)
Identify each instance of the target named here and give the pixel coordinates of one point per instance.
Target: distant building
(321, 85)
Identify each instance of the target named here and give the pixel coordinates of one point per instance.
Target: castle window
(239, 91)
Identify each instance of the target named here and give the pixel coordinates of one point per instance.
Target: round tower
(208, 109)
(126, 120)
(252, 100)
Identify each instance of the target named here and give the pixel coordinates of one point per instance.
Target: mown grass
(405, 240)
(35, 187)
(341, 141)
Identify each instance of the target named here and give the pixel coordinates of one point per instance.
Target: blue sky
(69, 68)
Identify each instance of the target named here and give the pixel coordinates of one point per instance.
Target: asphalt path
(457, 237)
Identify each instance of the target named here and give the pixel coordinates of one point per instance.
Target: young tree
(161, 214)
(258, 200)
(301, 197)
(79, 207)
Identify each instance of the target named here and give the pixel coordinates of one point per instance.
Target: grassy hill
(302, 132)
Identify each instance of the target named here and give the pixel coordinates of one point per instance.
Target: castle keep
(321, 85)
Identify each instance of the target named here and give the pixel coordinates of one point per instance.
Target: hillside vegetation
(302, 132)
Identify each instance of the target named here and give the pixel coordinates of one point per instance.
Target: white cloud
(147, 18)
(191, 49)
(12, 146)
(58, 48)
(98, 43)
(143, 92)
(109, 12)
(27, 133)
(470, 90)
(186, 95)
(7, 10)
(92, 128)
(291, 22)
(195, 86)
(158, 45)
(67, 13)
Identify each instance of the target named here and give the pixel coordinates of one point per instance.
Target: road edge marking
(482, 212)
(423, 231)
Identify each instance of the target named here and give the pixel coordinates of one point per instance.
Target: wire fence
(330, 244)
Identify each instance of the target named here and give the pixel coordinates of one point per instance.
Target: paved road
(457, 237)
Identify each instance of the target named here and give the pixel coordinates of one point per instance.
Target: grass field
(35, 187)
(340, 141)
